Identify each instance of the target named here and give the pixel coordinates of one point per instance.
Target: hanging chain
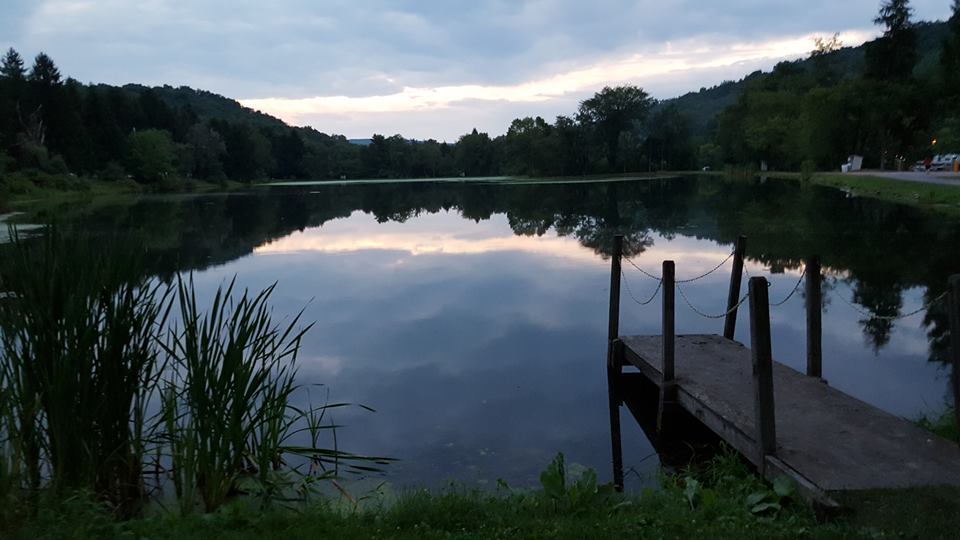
(706, 315)
(719, 266)
(922, 308)
(794, 291)
(630, 291)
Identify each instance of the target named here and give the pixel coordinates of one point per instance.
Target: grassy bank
(721, 499)
(34, 188)
(935, 196)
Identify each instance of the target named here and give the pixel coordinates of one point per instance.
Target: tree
(289, 151)
(822, 49)
(44, 71)
(611, 112)
(150, 155)
(529, 148)
(950, 54)
(474, 154)
(11, 66)
(894, 55)
(206, 148)
(669, 142)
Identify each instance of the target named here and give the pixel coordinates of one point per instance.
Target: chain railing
(656, 291)
(689, 280)
(701, 276)
(792, 291)
(707, 315)
(926, 306)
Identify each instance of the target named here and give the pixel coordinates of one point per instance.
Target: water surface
(473, 317)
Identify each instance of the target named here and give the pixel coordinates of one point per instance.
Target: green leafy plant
(770, 501)
(572, 492)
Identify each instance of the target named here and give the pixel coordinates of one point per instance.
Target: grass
(720, 499)
(34, 188)
(936, 196)
(944, 425)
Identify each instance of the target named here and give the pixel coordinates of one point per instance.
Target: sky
(428, 68)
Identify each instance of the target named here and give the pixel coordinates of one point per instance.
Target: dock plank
(832, 439)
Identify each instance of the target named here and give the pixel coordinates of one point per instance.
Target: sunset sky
(427, 69)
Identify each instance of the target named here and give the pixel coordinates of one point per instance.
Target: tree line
(805, 114)
(61, 126)
(898, 108)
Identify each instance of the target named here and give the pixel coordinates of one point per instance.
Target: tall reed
(102, 368)
(227, 396)
(78, 363)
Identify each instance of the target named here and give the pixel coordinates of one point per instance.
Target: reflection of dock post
(736, 275)
(762, 353)
(954, 308)
(668, 341)
(814, 318)
(615, 362)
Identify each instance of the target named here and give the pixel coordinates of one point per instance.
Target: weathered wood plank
(834, 440)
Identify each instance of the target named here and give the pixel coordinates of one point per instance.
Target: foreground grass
(720, 500)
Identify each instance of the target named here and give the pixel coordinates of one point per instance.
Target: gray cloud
(303, 48)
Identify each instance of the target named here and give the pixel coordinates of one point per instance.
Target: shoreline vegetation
(721, 498)
(25, 192)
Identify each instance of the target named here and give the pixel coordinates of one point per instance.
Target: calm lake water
(473, 317)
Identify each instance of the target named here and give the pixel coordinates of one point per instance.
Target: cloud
(692, 55)
(666, 71)
(384, 57)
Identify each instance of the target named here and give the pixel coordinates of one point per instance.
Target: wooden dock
(786, 423)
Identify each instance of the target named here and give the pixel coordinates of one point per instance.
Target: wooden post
(814, 319)
(954, 307)
(669, 328)
(736, 274)
(614, 362)
(761, 350)
(668, 391)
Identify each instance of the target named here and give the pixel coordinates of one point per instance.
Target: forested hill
(208, 105)
(887, 100)
(703, 106)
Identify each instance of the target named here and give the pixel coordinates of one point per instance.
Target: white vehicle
(943, 162)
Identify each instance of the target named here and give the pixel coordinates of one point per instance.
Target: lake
(472, 316)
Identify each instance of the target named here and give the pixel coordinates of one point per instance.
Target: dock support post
(814, 318)
(614, 362)
(954, 309)
(669, 327)
(762, 353)
(736, 275)
(668, 342)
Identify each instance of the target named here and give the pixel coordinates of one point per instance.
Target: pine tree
(12, 65)
(950, 54)
(894, 55)
(44, 71)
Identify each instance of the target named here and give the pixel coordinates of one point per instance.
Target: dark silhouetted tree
(44, 71)
(894, 55)
(950, 54)
(611, 112)
(12, 65)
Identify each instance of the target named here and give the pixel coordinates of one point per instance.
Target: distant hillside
(208, 105)
(703, 106)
